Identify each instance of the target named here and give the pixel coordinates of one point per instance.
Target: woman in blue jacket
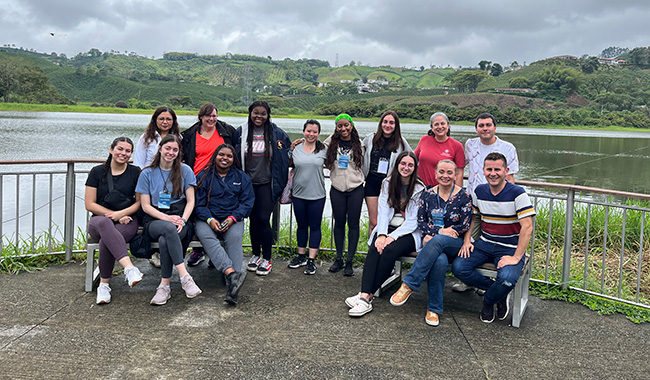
(263, 150)
(224, 197)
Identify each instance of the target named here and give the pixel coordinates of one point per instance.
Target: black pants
(378, 267)
(346, 207)
(260, 228)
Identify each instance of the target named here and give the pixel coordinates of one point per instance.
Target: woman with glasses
(199, 144)
(163, 122)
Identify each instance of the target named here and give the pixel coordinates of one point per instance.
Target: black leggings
(260, 228)
(378, 267)
(346, 207)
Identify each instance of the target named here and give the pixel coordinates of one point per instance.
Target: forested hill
(618, 81)
(111, 76)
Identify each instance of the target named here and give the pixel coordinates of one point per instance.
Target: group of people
(191, 182)
(209, 178)
(423, 208)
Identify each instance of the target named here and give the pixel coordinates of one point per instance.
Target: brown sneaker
(432, 318)
(401, 296)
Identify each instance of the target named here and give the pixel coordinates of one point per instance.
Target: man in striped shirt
(506, 217)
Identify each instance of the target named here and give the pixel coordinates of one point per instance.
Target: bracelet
(210, 219)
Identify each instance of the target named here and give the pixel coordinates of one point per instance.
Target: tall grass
(29, 254)
(607, 250)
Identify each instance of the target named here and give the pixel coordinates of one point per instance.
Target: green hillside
(232, 81)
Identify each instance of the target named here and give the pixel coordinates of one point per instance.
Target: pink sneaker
(188, 284)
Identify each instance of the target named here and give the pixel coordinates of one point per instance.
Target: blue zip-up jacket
(230, 195)
(279, 156)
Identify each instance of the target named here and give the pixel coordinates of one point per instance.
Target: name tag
(164, 200)
(382, 168)
(438, 218)
(343, 162)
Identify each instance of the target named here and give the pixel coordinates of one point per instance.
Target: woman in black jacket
(263, 149)
(200, 141)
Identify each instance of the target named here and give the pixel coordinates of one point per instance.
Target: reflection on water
(608, 159)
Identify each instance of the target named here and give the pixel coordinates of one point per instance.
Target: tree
(599, 83)
(589, 65)
(26, 82)
(351, 63)
(94, 53)
(613, 52)
(8, 77)
(514, 64)
(468, 81)
(496, 70)
(558, 80)
(484, 65)
(519, 82)
(640, 56)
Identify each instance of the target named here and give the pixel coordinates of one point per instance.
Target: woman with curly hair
(263, 150)
(345, 161)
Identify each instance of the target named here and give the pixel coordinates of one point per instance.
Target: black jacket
(224, 130)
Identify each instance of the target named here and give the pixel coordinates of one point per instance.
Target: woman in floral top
(444, 216)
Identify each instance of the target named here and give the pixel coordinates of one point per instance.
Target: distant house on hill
(523, 90)
(566, 56)
(611, 61)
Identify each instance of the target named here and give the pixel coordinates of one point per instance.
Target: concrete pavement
(292, 326)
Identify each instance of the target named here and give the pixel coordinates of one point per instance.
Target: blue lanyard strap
(444, 210)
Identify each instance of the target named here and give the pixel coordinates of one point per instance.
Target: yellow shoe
(432, 318)
(401, 296)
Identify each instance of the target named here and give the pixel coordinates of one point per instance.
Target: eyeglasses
(211, 116)
(165, 119)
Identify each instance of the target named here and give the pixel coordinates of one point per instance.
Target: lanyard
(444, 210)
(167, 180)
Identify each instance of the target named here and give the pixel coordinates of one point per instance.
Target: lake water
(612, 160)
(607, 159)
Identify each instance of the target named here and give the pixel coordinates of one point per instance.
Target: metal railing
(587, 239)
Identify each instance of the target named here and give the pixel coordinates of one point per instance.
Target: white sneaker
(103, 294)
(253, 263)
(351, 301)
(362, 308)
(460, 287)
(132, 275)
(155, 259)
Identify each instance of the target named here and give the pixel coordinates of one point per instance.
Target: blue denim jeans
(465, 270)
(432, 263)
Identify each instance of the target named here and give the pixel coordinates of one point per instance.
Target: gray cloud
(399, 33)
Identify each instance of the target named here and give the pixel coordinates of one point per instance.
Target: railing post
(68, 228)
(568, 239)
(275, 224)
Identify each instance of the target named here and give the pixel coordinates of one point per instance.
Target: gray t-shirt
(256, 167)
(308, 178)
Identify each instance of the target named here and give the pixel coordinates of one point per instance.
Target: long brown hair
(152, 128)
(176, 174)
(391, 143)
(333, 149)
(395, 183)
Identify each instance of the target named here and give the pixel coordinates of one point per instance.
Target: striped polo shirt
(500, 213)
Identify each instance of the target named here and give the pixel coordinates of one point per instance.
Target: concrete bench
(520, 296)
(92, 271)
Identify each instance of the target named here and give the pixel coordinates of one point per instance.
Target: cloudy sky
(376, 32)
